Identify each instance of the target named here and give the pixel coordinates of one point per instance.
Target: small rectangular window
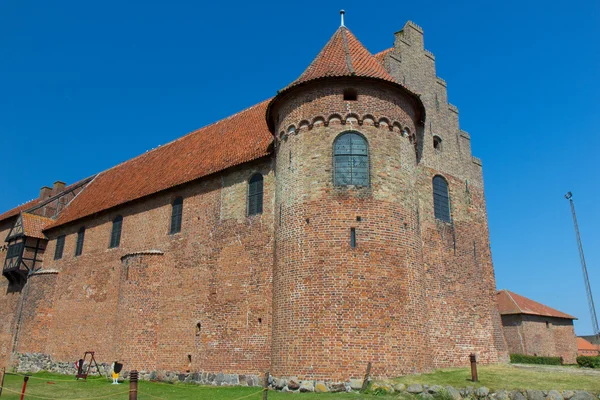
(79, 244)
(60, 245)
(350, 95)
(353, 237)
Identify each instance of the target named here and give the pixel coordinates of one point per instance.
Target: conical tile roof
(343, 55)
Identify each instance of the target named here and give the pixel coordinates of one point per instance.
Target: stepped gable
(232, 141)
(344, 55)
(15, 211)
(380, 57)
(33, 225)
(512, 303)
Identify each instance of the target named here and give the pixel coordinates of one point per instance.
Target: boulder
(567, 394)
(307, 386)
(356, 384)
(337, 387)
(293, 383)
(321, 388)
(435, 389)
(482, 392)
(399, 387)
(279, 383)
(454, 394)
(582, 395)
(535, 395)
(516, 395)
(501, 395)
(425, 396)
(554, 395)
(415, 388)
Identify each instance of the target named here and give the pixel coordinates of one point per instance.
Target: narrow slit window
(79, 243)
(176, 215)
(351, 160)
(255, 195)
(353, 237)
(441, 199)
(350, 95)
(60, 245)
(115, 235)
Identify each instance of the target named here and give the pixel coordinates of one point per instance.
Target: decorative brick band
(142, 253)
(45, 272)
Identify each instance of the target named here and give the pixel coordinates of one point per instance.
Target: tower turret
(348, 277)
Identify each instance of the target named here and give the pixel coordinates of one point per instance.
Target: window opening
(353, 237)
(351, 160)
(79, 243)
(437, 143)
(115, 235)
(60, 245)
(441, 199)
(255, 195)
(176, 215)
(350, 95)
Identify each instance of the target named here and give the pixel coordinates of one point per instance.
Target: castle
(341, 222)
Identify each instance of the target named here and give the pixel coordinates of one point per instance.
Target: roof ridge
(347, 51)
(509, 294)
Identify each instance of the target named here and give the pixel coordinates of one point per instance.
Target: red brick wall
(541, 336)
(144, 309)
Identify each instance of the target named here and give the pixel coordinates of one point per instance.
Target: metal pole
(133, 385)
(25, 379)
(473, 359)
(586, 279)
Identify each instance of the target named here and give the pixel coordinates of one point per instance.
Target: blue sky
(85, 85)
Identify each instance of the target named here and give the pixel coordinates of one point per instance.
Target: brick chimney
(45, 192)
(59, 187)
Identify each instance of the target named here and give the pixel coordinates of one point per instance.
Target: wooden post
(266, 386)
(2, 384)
(473, 359)
(133, 385)
(25, 379)
(366, 380)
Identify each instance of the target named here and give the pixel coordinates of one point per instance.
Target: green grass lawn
(62, 387)
(508, 377)
(52, 386)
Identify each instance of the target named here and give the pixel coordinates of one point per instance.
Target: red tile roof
(33, 225)
(512, 303)
(343, 55)
(381, 55)
(15, 211)
(583, 344)
(232, 141)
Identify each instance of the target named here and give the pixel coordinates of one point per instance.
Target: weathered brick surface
(540, 336)
(284, 290)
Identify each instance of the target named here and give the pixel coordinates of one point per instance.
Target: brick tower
(352, 280)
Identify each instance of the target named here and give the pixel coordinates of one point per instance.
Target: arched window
(115, 235)
(79, 243)
(176, 214)
(441, 199)
(351, 160)
(255, 194)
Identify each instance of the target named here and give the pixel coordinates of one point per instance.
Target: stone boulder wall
(36, 362)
